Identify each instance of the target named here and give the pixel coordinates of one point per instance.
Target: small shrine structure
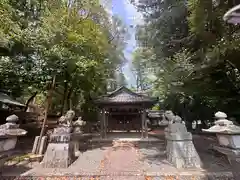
(155, 117)
(124, 110)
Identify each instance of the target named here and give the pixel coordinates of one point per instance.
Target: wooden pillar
(105, 123)
(145, 124)
(142, 120)
(101, 123)
(107, 116)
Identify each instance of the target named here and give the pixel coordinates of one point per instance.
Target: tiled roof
(4, 98)
(125, 95)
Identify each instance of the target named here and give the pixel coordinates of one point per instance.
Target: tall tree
(72, 41)
(195, 55)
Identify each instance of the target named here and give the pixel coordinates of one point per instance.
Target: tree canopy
(77, 42)
(194, 56)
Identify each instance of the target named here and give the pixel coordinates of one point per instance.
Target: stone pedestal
(181, 151)
(60, 151)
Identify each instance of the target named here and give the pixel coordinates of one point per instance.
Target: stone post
(42, 146)
(228, 136)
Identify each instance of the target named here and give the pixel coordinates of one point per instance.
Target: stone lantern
(9, 133)
(228, 136)
(227, 133)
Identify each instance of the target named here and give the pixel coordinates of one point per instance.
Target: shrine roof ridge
(124, 95)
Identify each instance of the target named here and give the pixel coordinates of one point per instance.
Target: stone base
(58, 155)
(7, 144)
(181, 152)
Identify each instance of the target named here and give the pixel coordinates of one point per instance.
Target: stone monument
(228, 136)
(180, 148)
(60, 150)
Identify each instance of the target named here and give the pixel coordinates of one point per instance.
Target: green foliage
(194, 56)
(156, 107)
(74, 42)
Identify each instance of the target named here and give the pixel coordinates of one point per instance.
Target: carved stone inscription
(60, 138)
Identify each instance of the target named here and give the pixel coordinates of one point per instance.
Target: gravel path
(129, 161)
(122, 157)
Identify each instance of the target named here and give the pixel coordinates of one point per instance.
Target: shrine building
(125, 111)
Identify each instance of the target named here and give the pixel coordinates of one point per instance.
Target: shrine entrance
(124, 111)
(124, 120)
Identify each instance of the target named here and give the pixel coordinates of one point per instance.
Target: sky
(130, 17)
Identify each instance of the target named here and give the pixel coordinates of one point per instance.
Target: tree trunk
(64, 97)
(69, 102)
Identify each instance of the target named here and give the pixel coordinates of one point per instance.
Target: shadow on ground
(14, 170)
